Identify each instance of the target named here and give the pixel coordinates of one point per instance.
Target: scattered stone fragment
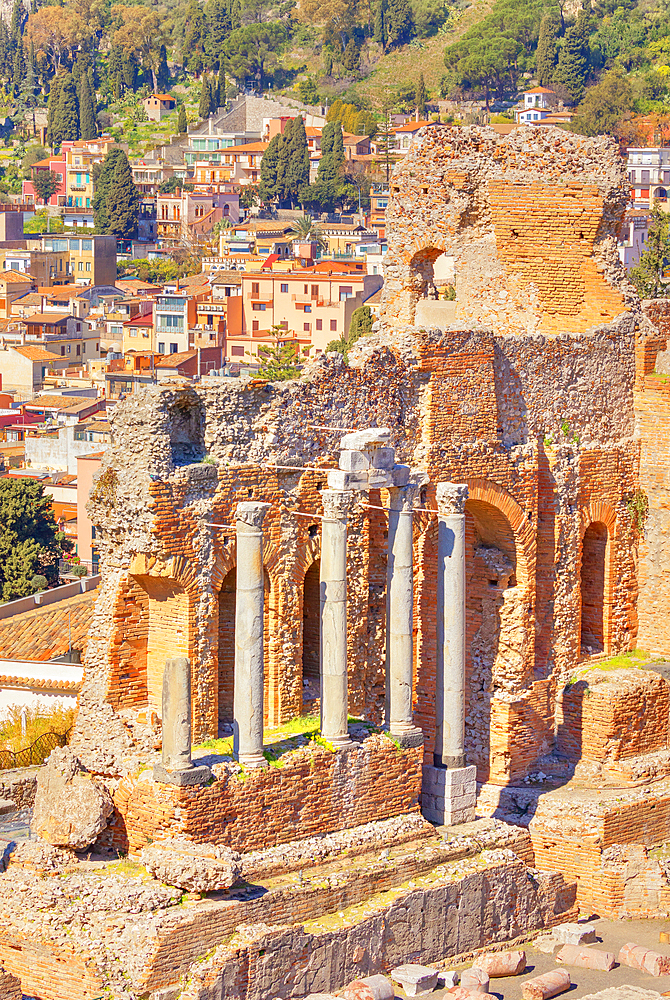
(664, 937)
(548, 985)
(38, 856)
(573, 934)
(416, 980)
(447, 979)
(460, 993)
(545, 943)
(498, 964)
(586, 958)
(194, 867)
(637, 957)
(10, 986)
(7, 806)
(475, 980)
(370, 988)
(72, 806)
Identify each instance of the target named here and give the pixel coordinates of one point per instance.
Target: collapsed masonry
(215, 514)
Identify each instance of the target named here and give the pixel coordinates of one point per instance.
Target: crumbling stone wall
(540, 426)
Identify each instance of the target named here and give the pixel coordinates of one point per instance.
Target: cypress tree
(283, 191)
(163, 72)
(221, 86)
(297, 175)
(182, 124)
(380, 24)
(116, 200)
(16, 22)
(19, 69)
(573, 63)
(545, 56)
(351, 59)
(269, 165)
(103, 184)
(399, 22)
(421, 95)
(52, 105)
(205, 98)
(87, 119)
(66, 115)
(328, 178)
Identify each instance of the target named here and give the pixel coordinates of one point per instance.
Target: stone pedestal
(334, 689)
(176, 767)
(448, 795)
(249, 599)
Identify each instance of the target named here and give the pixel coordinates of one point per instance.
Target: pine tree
(545, 56)
(421, 96)
(297, 176)
(269, 165)
(163, 72)
(66, 117)
(399, 22)
(182, 125)
(205, 98)
(87, 120)
(117, 199)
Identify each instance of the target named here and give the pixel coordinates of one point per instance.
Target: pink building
(57, 165)
(87, 466)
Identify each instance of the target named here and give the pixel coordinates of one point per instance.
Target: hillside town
(334, 505)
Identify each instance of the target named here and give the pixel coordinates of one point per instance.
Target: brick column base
(448, 795)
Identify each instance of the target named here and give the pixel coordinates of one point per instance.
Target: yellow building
(79, 159)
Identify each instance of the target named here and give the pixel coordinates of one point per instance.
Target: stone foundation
(448, 796)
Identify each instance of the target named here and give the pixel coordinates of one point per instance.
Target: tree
(163, 72)
(605, 106)
(140, 35)
(116, 200)
(205, 106)
(45, 183)
(55, 34)
(306, 228)
(297, 171)
(421, 96)
(194, 38)
(87, 121)
(278, 362)
(65, 125)
(52, 106)
(33, 155)
(648, 273)
(182, 125)
(220, 94)
(360, 325)
(30, 542)
(251, 50)
(399, 22)
(268, 188)
(545, 55)
(573, 61)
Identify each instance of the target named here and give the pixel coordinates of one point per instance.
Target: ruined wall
(529, 219)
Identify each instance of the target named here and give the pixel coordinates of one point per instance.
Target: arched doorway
(433, 286)
(227, 647)
(592, 579)
(311, 610)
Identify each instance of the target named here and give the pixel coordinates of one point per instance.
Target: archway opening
(592, 578)
(311, 637)
(433, 284)
(227, 648)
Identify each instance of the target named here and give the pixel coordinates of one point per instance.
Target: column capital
(451, 498)
(337, 504)
(252, 512)
(401, 498)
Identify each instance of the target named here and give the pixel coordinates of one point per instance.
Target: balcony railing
(78, 187)
(175, 307)
(162, 328)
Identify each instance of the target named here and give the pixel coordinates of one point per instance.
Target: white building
(633, 237)
(649, 176)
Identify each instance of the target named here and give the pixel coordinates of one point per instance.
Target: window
(80, 266)
(306, 289)
(333, 324)
(255, 326)
(284, 287)
(319, 324)
(133, 333)
(255, 287)
(83, 348)
(69, 348)
(161, 348)
(78, 349)
(308, 309)
(62, 349)
(88, 265)
(237, 352)
(258, 306)
(78, 327)
(346, 292)
(307, 327)
(174, 348)
(315, 291)
(644, 176)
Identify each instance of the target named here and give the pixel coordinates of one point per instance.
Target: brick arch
(491, 493)
(439, 243)
(600, 512)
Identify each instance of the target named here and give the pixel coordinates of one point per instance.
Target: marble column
(249, 599)
(176, 767)
(400, 616)
(449, 788)
(334, 697)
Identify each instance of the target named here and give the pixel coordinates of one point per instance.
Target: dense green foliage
(278, 361)
(45, 183)
(116, 200)
(648, 274)
(30, 542)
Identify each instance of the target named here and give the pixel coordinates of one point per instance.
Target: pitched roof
(48, 317)
(142, 319)
(11, 275)
(411, 126)
(540, 90)
(73, 403)
(43, 634)
(163, 97)
(250, 147)
(33, 353)
(173, 360)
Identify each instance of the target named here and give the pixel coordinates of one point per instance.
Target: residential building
(257, 236)
(56, 164)
(64, 335)
(157, 106)
(12, 286)
(536, 104)
(649, 176)
(343, 238)
(147, 228)
(174, 314)
(136, 287)
(213, 318)
(138, 333)
(125, 380)
(405, 133)
(46, 267)
(224, 284)
(633, 238)
(379, 199)
(92, 258)
(189, 363)
(24, 367)
(315, 303)
(148, 174)
(57, 448)
(245, 162)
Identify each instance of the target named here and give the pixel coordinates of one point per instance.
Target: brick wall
(313, 791)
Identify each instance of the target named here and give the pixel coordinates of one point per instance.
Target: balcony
(171, 307)
(78, 187)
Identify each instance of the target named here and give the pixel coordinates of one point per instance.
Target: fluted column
(333, 650)
(450, 681)
(400, 615)
(249, 598)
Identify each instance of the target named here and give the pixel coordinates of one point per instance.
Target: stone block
(199, 775)
(401, 474)
(637, 957)
(447, 978)
(7, 806)
(379, 479)
(475, 980)
(370, 988)
(448, 796)
(340, 480)
(416, 980)
(361, 440)
(354, 461)
(498, 964)
(383, 458)
(586, 958)
(573, 934)
(72, 806)
(548, 985)
(461, 993)
(190, 866)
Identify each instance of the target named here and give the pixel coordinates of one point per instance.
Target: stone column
(449, 787)
(334, 700)
(176, 767)
(400, 616)
(249, 598)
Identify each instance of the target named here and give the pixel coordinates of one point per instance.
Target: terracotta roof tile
(42, 634)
